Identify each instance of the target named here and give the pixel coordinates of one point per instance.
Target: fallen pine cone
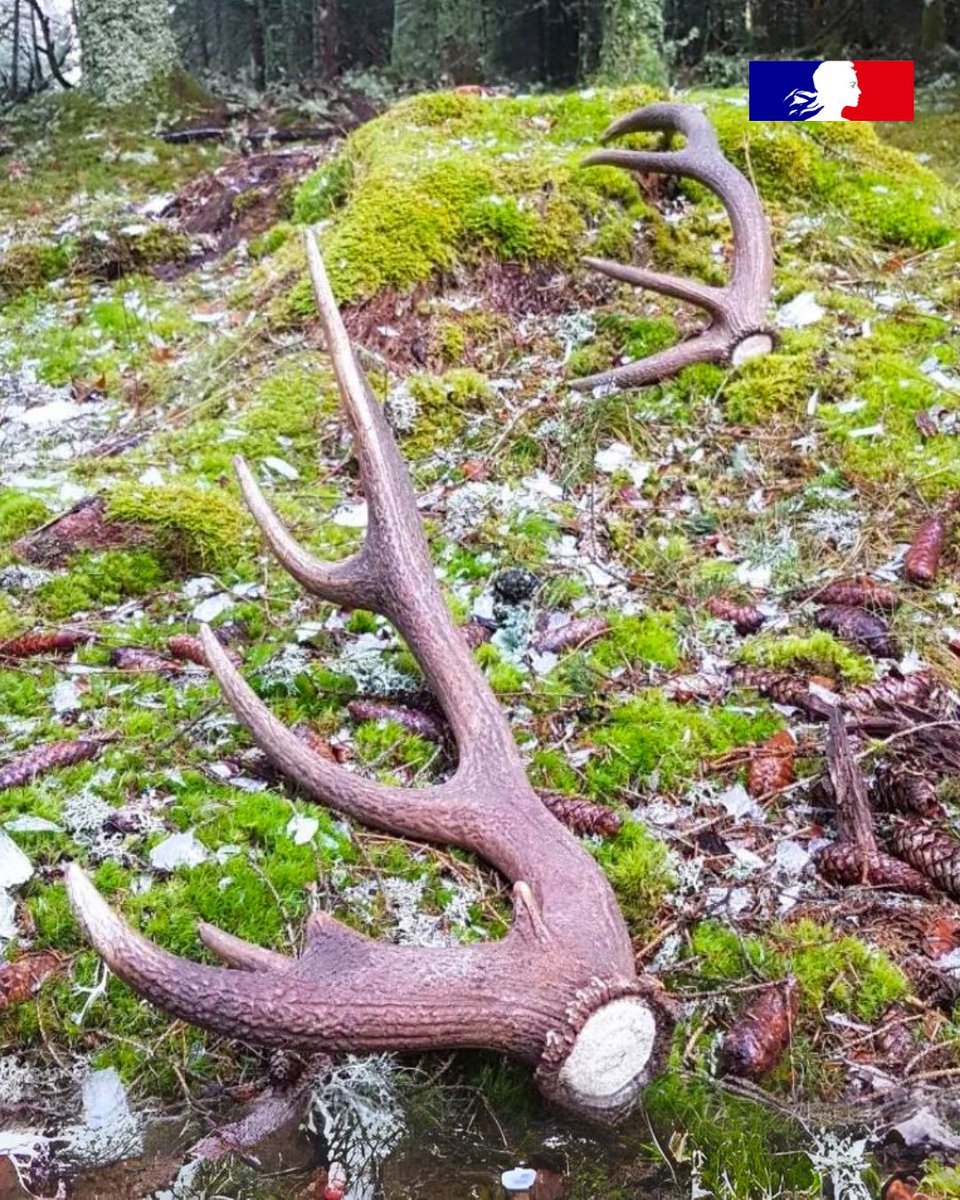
(29, 645)
(132, 658)
(20, 978)
(782, 688)
(583, 817)
(898, 790)
(858, 626)
(942, 936)
(475, 633)
(771, 768)
(26, 767)
(411, 719)
(754, 1044)
(190, 648)
(935, 854)
(319, 745)
(845, 863)
(923, 558)
(570, 636)
(858, 591)
(914, 689)
(746, 619)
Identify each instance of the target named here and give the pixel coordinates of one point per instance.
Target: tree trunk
(15, 53)
(326, 39)
(632, 47)
(125, 45)
(413, 56)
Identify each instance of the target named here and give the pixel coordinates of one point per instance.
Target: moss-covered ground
(452, 227)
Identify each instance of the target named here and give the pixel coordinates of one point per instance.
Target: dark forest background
(312, 44)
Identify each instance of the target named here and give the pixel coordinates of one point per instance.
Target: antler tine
(560, 990)
(737, 329)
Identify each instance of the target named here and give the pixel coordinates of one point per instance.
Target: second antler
(561, 991)
(737, 329)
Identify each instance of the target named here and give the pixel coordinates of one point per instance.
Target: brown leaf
(901, 1189)
(923, 558)
(572, 635)
(858, 626)
(925, 423)
(134, 658)
(190, 648)
(897, 789)
(755, 1043)
(857, 591)
(26, 767)
(29, 645)
(583, 817)
(844, 863)
(933, 853)
(20, 978)
(771, 768)
(475, 469)
(746, 619)
(411, 719)
(942, 936)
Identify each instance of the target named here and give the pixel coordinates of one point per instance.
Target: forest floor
(156, 320)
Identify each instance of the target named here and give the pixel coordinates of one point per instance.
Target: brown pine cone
(846, 864)
(411, 719)
(782, 688)
(319, 745)
(771, 768)
(26, 767)
(20, 978)
(926, 549)
(583, 817)
(754, 1044)
(898, 790)
(914, 689)
(190, 648)
(932, 852)
(858, 626)
(571, 636)
(746, 619)
(134, 658)
(29, 645)
(859, 591)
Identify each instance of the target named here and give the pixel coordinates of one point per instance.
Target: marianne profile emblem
(835, 87)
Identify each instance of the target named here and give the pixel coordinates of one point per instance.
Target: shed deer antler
(560, 991)
(737, 329)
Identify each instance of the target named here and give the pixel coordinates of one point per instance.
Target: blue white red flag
(831, 91)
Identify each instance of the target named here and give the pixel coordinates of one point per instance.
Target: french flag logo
(831, 91)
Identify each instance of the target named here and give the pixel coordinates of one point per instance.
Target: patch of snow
(15, 867)
(65, 698)
(302, 829)
(212, 607)
(352, 516)
(618, 456)
(31, 824)
(280, 467)
(799, 312)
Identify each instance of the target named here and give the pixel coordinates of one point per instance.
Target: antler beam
(560, 991)
(737, 329)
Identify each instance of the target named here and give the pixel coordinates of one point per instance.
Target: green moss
(95, 580)
(19, 513)
(195, 527)
(651, 638)
(651, 733)
(270, 241)
(940, 1182)
(818, 653)
(840, 974)
(773, 385)
(27, 267)
(324, 191)
(638, 867)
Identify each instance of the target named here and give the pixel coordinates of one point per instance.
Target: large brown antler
(737, 328)
(561, 990)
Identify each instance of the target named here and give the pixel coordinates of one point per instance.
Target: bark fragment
(857, 625)
(756, 1042)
